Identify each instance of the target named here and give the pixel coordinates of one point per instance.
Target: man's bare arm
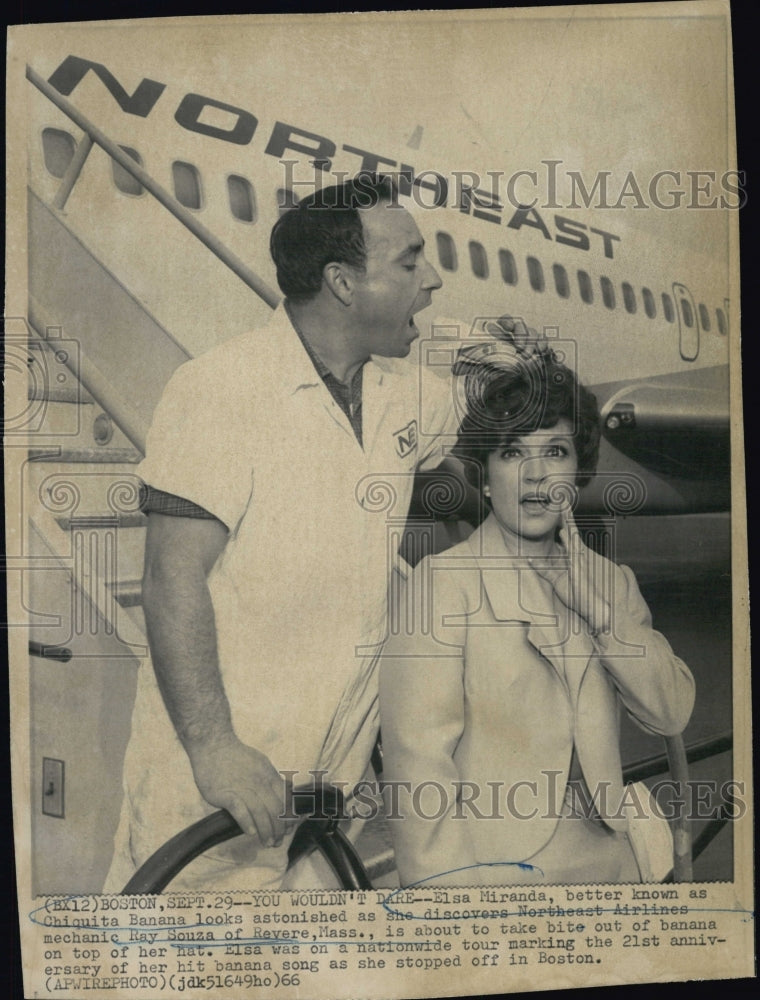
(179, 554)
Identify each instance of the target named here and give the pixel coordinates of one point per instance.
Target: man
(272, 466)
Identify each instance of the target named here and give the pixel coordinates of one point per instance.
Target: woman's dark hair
(323, 228)
(504, 404)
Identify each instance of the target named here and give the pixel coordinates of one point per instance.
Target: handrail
(683, 869)
(209, 240)
(61, 653)
(73, 171)
(676, 759)
(323, 807)
(657, 764)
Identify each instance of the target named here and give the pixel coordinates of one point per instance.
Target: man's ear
(341, 281)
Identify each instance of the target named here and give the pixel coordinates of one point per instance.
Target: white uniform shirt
(251, 433)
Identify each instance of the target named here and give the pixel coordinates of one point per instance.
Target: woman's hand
(580, 580)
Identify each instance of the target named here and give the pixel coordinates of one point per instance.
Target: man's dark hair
(323, 228)
(503, 405)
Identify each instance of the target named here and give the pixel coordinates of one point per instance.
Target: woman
(501, 687)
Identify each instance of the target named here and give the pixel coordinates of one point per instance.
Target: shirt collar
(283, 355)
(325, 373)
(319, 365)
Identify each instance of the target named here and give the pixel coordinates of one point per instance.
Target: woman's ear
(486, 486)
(340, 280)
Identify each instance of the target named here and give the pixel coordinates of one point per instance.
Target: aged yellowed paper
(572, 168)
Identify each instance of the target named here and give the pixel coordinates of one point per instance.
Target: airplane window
(123, 180)
(187, 184)
(688, 315)
(242, 198)
(585, 287)
(447, 251)
(508, 267)
(286, 200)
(629, 298)
(704, 317)
(649, 305)
(722, 325)
(535, 274)
(58, 148)
(478, 259)
(561, 284)
(667, 308)
(608, 292)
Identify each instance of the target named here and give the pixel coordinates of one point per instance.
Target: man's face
(397, 283)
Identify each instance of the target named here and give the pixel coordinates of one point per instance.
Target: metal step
(63, 415)
(132, 519)
(57, 394)
(60, 423)
(62, 419)
(128, 593)
(77, 456)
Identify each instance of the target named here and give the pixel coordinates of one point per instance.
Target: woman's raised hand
(579, 579)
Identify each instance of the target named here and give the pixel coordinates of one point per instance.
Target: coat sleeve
(422, 718)
(656, 687)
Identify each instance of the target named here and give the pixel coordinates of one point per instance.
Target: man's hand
(514, 331)
(578, 579)
(236, 777)
(509, 345)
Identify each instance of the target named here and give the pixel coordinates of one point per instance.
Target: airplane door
(688, 322)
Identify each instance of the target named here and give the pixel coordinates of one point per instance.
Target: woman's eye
(510, 453)
(557, 451)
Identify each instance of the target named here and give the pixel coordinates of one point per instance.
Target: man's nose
(431, 279)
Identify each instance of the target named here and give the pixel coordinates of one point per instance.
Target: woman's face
(530, 481)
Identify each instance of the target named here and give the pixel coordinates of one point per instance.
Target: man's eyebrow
(413, 249)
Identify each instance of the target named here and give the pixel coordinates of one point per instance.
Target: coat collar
(516, 592)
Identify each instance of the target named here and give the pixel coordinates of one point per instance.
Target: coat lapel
(516, 592)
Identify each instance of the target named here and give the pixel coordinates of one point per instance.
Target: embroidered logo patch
(406, 439)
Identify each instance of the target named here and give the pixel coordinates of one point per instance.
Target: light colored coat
(489, 681)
